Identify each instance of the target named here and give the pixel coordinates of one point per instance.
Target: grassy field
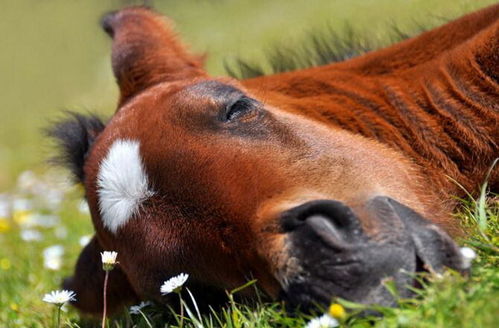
(55, 57)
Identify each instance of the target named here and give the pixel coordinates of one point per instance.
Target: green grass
(54, 57)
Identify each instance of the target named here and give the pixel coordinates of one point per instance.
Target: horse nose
(332, 221)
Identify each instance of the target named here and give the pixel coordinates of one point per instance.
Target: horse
(319, 182)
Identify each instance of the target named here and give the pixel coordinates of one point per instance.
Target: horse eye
(238, 108)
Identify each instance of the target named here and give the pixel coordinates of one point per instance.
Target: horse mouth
(357, 274)
(336, 258)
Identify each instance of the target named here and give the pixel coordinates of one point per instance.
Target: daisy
(136, 309)
(40, 220)
(59, 297)
(83, 207)
(324, 321)
(468, 255)
(52, 257)
(174, 284)
(108, 260)
(85, 240)
(31, 235)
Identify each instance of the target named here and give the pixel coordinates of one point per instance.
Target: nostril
(338, 214)
(326, 230)
(290, 221)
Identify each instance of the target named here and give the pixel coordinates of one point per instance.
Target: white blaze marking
(122, 184)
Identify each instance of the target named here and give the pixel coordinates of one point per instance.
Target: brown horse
(318, 183)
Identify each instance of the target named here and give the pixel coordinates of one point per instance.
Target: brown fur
(397, 122)
(434, 97)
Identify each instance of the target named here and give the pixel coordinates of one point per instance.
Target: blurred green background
(54, 55)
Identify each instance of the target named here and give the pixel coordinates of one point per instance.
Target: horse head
(202, 175)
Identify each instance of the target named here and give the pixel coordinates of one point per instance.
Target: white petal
(84, 240)
(31, 235)
(135, 309)
(324, 321)
(109, 257)
(52, 257)
(59, 297)
(83, 207)
(174, 283)
(468, 255)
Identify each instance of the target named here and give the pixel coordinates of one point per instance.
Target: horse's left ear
(74, 136)
(146, 51)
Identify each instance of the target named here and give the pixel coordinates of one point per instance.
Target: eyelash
(238, 108)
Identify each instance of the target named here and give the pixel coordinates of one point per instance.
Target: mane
(323, 46)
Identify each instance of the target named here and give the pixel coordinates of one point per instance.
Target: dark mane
(320, 47)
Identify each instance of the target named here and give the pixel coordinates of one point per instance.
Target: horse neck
(425, 47)
(440, 109)
(459, 90)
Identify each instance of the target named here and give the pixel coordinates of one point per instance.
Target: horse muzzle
(335, 257)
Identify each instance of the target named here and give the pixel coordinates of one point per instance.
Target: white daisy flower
(31, 235)
(84, 240)
(83, 207)
(135, 309)
(468, 256)
(108, 257)
(59, 297)
(174, 284)
(4, 206)
(108, 260)
(40, 220)
(22, 204)
(324, 321)
(52, 257)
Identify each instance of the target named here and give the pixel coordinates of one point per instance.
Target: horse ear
(74, 136)
(146, 51)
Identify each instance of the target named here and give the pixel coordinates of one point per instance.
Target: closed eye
(239, 108)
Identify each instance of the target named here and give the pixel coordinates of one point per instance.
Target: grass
(448, 301)
(55, 57)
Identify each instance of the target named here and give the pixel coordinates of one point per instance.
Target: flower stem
(181, 311)
(58, 324)
(105, 300)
